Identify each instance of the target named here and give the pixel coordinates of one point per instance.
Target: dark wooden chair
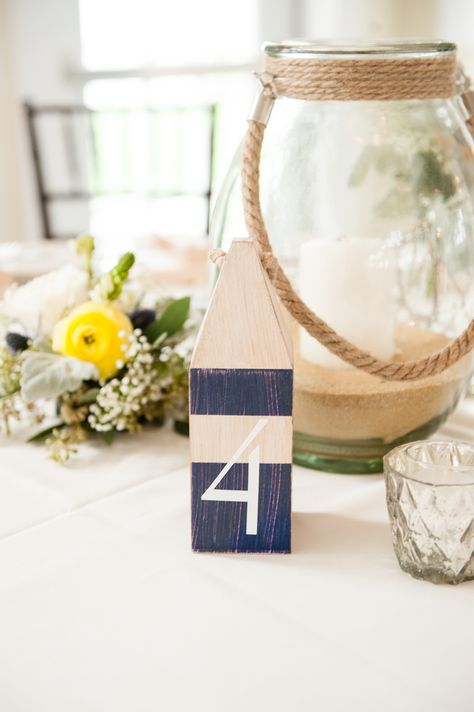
(69, 160)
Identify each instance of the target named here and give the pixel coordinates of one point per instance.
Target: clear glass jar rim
(391, 456)
(344, 49)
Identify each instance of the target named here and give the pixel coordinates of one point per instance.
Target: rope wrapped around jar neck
(355, 79)
(343, 79)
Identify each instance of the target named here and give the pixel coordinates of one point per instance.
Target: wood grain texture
(241, 384)
(220, 526)
(216, 439)
(243, 324)
(244, 391)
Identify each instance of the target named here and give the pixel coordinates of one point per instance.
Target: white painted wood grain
(215, 438)
(244, 325)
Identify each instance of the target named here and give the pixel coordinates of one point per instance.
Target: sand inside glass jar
(352, 405)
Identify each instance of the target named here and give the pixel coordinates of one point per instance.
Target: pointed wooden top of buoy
(244, 325)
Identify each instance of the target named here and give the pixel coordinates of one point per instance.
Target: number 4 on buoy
(241, 383)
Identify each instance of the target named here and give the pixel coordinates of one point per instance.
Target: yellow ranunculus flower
(94, 332)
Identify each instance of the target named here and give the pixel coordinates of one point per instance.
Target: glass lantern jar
(368, 207)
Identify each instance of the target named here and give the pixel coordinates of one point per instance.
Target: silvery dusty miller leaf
(47, 375)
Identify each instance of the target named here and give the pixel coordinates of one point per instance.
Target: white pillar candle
(350, 283)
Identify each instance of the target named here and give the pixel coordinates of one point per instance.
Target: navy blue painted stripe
(242, 391)
(221, 526)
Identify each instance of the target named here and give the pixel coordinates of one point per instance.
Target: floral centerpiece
(93, 354)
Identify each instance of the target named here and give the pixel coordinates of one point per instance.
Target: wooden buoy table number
(241, 383)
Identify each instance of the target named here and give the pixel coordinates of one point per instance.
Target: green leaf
(46, 375)
(170, 321)
(88, 397)
(157, 342)
(46, 431)
(181, 427)
(429, 176)
(108, 436)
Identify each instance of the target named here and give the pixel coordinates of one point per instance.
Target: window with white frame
(169, 85)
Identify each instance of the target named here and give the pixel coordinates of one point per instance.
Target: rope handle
(315, 326)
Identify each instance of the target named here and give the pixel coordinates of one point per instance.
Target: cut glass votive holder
(430, 499)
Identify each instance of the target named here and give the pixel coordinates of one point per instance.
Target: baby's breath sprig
(62, 442)
(135, 395)
(9, 410)
(10, 373)
(74, 407)
(173, 373)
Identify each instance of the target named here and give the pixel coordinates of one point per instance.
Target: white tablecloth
(103, 607)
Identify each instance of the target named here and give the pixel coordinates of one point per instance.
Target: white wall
(11, 226)
(280, 19)
(369, 19)
(45, 43)
(456, 22)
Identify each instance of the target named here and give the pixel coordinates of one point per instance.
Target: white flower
(102, 288)
(40, 303)
(139, 291)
